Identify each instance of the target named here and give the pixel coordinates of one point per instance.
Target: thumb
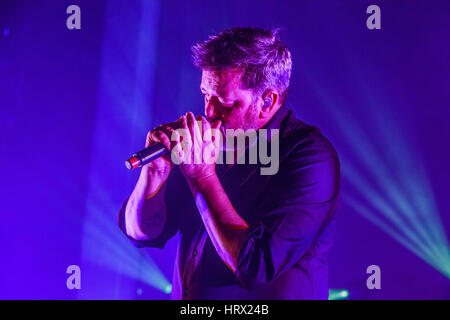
(216, 134)
(216, 124)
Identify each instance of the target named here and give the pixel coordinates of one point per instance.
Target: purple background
(76, 103)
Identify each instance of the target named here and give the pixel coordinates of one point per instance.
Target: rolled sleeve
(170, 229)
(301, 203)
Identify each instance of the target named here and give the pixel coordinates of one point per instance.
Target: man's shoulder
(304, 147)
(298, 135)
(291, 125)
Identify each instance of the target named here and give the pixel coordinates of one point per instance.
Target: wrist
(203, 182)
(150, 182)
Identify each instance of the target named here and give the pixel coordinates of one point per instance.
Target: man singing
(243, 234)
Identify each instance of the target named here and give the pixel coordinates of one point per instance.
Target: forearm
(145, 212)
(223, 224)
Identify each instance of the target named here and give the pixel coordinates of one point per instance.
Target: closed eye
(228, 106)
(224, 105)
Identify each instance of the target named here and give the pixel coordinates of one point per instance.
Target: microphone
(146, 155)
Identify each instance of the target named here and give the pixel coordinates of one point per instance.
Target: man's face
(226, 100)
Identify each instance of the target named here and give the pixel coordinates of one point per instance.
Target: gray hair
(263, 57)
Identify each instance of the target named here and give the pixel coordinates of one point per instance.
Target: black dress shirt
(291, 216)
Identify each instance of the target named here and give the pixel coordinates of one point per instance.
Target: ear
(269, 104)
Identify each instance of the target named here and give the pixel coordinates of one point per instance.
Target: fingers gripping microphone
(146, 155)
(152, 152)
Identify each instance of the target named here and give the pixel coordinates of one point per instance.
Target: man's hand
(196, 148)
(157, 171)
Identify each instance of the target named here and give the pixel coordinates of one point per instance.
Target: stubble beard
(247, 122)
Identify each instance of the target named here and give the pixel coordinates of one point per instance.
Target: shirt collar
(275, 121)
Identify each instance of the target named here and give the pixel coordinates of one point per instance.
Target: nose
(210, 108)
